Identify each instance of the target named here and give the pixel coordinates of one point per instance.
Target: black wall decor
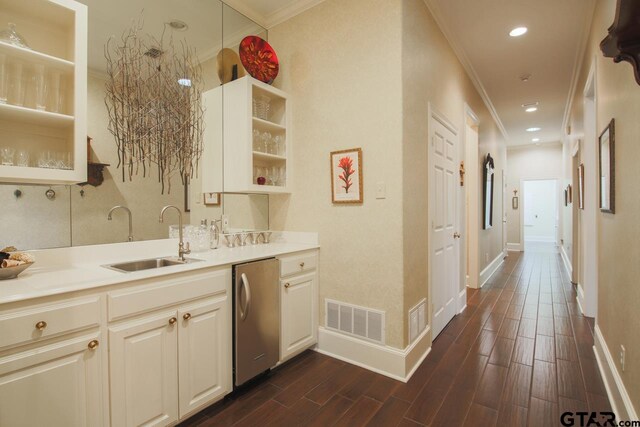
(488, 178)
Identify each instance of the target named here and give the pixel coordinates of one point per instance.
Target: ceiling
(269, 13)
(549, 52)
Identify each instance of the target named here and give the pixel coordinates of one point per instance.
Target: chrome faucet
(130, 219)
(182, 251)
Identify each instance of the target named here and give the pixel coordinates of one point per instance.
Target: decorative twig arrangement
(153, 97)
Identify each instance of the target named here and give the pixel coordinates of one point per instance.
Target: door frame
(558, 211)
(434, 114)
(470, 236)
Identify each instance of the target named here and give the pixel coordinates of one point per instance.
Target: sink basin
(148, 264)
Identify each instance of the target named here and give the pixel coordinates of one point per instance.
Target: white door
(204, 353)
(445, 275)
(298, 316)
(55, 385)
(143, 356)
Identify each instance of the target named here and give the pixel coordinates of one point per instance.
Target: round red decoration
(259, 59)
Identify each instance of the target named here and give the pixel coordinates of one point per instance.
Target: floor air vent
(353, 320)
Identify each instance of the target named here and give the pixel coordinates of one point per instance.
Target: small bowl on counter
(13, 272)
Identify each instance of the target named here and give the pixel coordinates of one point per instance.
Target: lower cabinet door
(204, 343)
(54, 385)
(144, 371)
(299, 321)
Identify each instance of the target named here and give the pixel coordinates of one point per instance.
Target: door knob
(456, 235)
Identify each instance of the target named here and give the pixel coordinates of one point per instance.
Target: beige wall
(361, 74)
(530, 162)
(340, 61)
(432, 74)
(618, 96)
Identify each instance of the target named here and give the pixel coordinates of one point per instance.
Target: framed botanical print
(212, 199)
(346, 176)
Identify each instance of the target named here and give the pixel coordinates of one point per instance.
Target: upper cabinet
(256, 139)
(43, 95)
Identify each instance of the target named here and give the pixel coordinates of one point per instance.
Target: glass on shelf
(266, 142)
(57, 93)
(11, 36)
(280, 148)
(18, 88)
(22, 158)
(261, 106)
(4, 79)
(54, 160)
(40, 83)
(6, 155)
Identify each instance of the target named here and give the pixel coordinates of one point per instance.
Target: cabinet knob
(302, 265)
(93, 344)
(172, 321)
(287, 285)
(187, 316)
(41, 325)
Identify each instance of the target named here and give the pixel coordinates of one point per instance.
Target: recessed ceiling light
(531, 109)
(525, 77)
(178, 25)
(184, 82)
(534, 129)
(535, 140)
(518, 31)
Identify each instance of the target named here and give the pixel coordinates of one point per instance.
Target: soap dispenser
(214, 236)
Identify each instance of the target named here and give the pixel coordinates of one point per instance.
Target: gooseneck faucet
(130, 219)
(182, 251)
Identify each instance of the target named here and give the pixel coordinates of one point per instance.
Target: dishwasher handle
(245, 286)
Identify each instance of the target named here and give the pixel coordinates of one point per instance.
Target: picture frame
(606, 166)
(570, 193)
(566, 197)
(514, 203)
(211, 199)
(187, 195)
(488, 178)
(581, 186)
(346, 176)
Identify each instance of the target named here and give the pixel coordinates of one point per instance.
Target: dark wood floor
(520, 354)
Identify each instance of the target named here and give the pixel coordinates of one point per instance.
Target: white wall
(528, 162)
(540, 210)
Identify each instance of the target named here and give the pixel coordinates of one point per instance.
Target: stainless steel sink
(148, 264)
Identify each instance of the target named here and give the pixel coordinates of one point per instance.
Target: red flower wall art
(346, 176)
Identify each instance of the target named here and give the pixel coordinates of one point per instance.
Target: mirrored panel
(78, 215)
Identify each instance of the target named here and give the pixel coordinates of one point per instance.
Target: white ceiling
(549, 52)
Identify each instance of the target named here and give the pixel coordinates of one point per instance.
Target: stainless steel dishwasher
(256, 318)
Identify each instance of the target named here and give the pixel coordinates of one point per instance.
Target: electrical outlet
(381, 191)
(622, 356)
(225, 223)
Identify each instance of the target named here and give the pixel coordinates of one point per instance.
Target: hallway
(520, 354)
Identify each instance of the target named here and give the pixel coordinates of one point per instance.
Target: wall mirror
(607, 168)
(488, 172)
(77, 215)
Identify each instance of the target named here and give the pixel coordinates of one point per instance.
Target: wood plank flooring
(519, 355)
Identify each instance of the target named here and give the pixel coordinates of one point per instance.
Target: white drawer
(45, 320)
(299, 263)
(159, 293)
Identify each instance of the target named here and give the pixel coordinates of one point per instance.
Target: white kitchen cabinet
(241, 157)
(54, 137)
(143, 364)
(298, 304)
(54, 385)
(204, 355)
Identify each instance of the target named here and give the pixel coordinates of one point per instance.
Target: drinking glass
(256, 140)
(279, 143)
(262, 103)
(40, 86)
(56, 92)
(6, 153)
(22, 159)
(266, 139)
(273, 175)
(282, 176)
(4, 79)
(17, 84)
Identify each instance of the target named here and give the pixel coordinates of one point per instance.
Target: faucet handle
(187, 248)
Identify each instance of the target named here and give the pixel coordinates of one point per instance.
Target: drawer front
(42, 321)
(166, 292)
(296, 264)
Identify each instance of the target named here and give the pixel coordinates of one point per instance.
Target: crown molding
(273, 18)
(466, 64)
(577, 66)
(534, 145)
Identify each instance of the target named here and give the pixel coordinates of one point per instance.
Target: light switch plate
(381, 190)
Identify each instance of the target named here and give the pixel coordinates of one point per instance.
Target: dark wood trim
(623, 41)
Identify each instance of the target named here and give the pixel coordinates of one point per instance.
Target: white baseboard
(565, 258)
(580, 298)
(391, 362)
(618, 396)
(462, 300)
(514, 247)
(486, 274)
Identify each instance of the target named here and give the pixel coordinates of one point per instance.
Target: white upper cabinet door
(57, 385)
(144, 371)
(204, 343)
(299, 321)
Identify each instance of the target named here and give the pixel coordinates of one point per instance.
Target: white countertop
(64, 270)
